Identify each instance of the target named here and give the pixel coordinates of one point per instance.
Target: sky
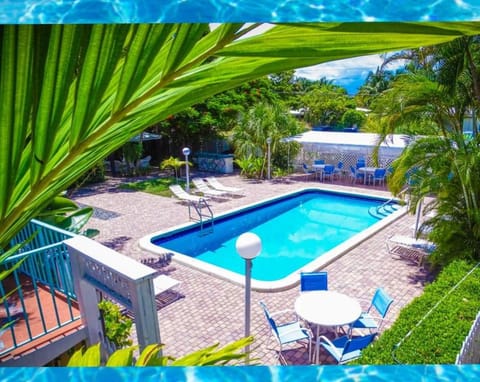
(349, 73)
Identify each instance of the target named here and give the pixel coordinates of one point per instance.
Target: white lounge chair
(213, 182)
(183, 195)
(202, 187)
(162, 283)
(410, 248)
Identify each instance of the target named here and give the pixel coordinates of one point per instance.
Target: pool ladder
(201, 217)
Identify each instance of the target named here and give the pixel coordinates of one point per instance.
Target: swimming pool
(300, 231)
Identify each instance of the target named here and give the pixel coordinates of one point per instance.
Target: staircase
(385, 209)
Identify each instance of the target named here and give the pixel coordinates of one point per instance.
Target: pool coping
(292, 279)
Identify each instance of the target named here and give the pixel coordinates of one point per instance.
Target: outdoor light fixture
(248, 246)
(186, 152)
(269, 141)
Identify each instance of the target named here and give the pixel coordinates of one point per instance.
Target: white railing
(470, 351)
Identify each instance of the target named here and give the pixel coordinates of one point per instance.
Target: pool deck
(212, 310)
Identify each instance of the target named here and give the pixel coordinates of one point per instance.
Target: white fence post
(96, 267)
(470, 351)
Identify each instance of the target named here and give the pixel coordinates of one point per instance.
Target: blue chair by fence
(319, 161)
(345, 349)
(310, 281)
(288, 332)
(339, 169)
(360, 163)
(328, 171)
(379, 176)
(308, 172)
(380, 304)
(355, 175)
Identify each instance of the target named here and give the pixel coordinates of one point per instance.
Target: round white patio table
(366, 171)
(327, 309)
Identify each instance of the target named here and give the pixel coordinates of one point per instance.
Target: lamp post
(248, 246)
(186, 152)
(269, 141)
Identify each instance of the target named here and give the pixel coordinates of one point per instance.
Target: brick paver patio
(212, 310)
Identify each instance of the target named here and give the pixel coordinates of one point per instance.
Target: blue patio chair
(319, 161)
(313, 281)
(328, 171)
(308, 172)
(355, 175)
(288, 332)
(379, 176)
(380, 303)
(361, 163)
(345, 349)
(339, 169)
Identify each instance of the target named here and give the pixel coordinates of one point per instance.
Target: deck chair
(380, 304)
(183, 195)
(328, 171)
(409, 248)
(288, 332)
(162, 283)
(339, 170)
(345, 349)
(355, 175)
(308, 172)
(202, 187)
(214, 183)
(379, 176)
(310, 281)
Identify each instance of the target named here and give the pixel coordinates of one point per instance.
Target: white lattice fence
(470, 351)
(309, 153)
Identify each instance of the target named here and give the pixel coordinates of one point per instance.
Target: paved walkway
(212, 310)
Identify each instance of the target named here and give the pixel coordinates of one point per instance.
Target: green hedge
(439, 337)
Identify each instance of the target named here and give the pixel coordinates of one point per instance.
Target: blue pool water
(137, 11)
(295, 230)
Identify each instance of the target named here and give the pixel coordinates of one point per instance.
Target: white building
(348, 147)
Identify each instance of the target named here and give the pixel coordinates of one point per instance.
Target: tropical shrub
(432, 328)
(326, 104)
(447, 168)
(150, 356)
(249, 137)
(352, 117)
(250, 166)
(173, 164)
(117, 326)
(64, 213)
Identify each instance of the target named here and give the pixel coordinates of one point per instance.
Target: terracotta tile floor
(213, 310)
(40, 310)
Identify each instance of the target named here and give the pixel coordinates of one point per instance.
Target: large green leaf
(71, 94)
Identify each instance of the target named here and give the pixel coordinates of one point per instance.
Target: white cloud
(358, 66)
(349, 73)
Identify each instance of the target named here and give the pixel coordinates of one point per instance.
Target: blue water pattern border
(163, 11)
(253, 373)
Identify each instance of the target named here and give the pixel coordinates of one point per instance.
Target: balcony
(39, 308)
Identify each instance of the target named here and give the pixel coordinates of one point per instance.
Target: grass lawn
(157, 186)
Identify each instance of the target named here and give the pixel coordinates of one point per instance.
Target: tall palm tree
(261, 122)
(72, 94)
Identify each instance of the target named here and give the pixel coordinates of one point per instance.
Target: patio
(212, 310)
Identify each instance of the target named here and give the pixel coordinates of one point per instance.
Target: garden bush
(419, 336)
